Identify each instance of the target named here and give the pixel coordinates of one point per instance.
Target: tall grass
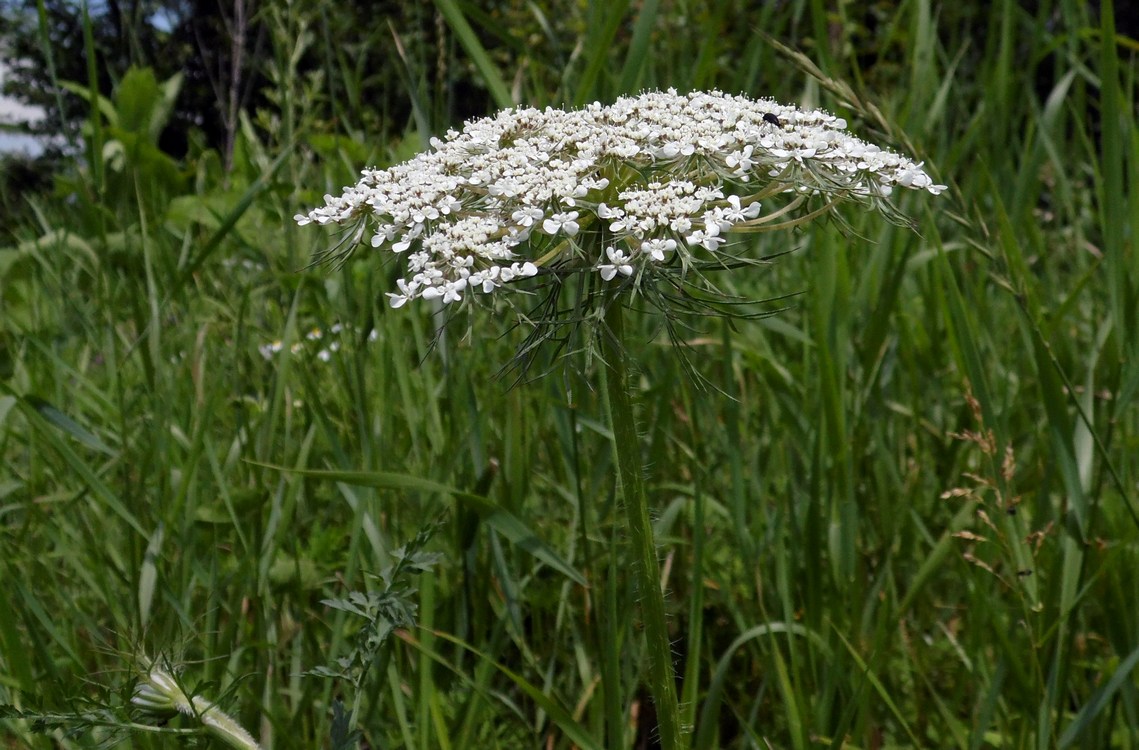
(906, 515)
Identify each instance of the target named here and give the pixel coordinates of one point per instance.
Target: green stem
(626, 444)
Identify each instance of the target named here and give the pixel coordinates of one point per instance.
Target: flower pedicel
(663, 177)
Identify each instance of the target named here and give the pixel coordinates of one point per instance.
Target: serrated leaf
(344, 606)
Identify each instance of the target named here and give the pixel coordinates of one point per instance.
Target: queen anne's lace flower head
(654, 179)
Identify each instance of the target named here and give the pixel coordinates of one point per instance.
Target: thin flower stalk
(662, 678)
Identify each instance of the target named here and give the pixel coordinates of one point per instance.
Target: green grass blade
(497, 518)
(639, 48)
(482, 62)
(1099, 700)
(559, 715)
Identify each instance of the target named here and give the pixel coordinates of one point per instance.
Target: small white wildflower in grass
(318, 342)
(661, 178)
(268, 350)
(246, 264)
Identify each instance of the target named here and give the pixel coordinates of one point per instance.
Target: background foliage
(906, 516)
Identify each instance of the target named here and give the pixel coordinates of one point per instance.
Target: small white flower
(384, 233)
(452, 291)
(268, 350)
(484, 281)
(449, 205)
(566, 222)
(526, 216)
(709, 193)
(715, 221)
(658, 248)
(681, 225)
(518, 271)
(406, 292)
(741, 161)
(735, 214)
(709, 242)
(507, 188)
(605, 212)
(427, 213)
(618, 263)
(517, 235)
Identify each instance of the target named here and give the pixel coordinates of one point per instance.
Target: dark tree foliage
(170, 36)
(225, 50)
(218, 54)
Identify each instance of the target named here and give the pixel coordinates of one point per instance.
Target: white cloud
(12, 110)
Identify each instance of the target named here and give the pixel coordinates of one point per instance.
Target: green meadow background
(901, 512)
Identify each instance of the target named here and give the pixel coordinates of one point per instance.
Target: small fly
(770, 118)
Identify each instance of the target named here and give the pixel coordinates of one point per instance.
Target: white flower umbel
(661, 178)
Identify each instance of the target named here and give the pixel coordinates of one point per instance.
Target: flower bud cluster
(159, 693)
(652, 177)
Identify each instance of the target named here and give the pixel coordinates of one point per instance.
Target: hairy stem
(662, 683)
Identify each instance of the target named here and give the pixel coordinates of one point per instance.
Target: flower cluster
(649, 180)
